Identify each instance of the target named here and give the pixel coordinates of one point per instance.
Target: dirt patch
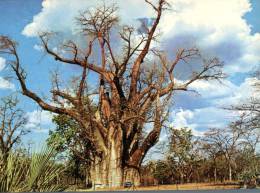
(190, 186)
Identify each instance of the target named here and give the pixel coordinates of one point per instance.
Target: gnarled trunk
(116, 176)
(109, 169)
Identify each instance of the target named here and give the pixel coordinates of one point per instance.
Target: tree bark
(109, 170)
(113, 167)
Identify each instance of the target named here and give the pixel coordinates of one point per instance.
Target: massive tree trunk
(112, 168)
(110, 172)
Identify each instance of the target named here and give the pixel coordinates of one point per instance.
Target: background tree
(250, 122)
(183, 154)
(161, 172)
(12, 122)
(213, 154)
(69, 141)
(232, 143)
(251, 107)
(148, 173)
(226, 141)
(76, 169)
(136, 82)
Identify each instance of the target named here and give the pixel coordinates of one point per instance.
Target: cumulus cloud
(239, 94)
(213, 115)
(216, 27)
(199, 120)
(213, 89)
(225, 93)
(59, 15)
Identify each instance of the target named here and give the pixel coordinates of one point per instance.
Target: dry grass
(191, 186)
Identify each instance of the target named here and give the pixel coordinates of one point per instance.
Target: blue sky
(227, 29)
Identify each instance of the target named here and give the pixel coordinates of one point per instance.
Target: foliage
(62, 137)
(183, 155)
(68, 140)
(38, 173)
(211, 157)
(181, 143)
(161, 172)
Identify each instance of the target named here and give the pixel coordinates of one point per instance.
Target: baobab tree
(134, 90)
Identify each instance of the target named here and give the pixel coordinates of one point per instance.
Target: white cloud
(59, 15)
(238, 94)
(2, 63)
(55, 16)
(213, 115)
(38, 47)
(5, 84)
(226, 92)
(181, 117)
(213, 89)
(217, 18)
(201, 119)
(39, 121)
(217, 27)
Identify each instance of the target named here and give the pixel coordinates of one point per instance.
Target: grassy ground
(191, 186)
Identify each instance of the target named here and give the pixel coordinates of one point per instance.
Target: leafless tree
(230, 141)
(251, 107)
(134, 91)
(12, 121)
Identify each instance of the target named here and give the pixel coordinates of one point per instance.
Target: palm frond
(39, 173)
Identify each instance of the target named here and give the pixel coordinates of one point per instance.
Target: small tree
(182, 153)
(161, 172)
(212, 153)
(69, 140)
(12, 122)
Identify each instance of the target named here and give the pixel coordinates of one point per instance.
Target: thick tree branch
(136, 67)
